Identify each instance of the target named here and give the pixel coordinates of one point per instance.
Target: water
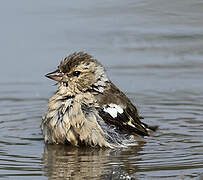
(152, 51)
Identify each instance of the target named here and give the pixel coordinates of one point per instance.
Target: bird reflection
(67, 162)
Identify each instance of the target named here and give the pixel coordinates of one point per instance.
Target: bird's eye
(76, 73)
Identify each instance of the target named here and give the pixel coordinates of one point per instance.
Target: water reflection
(64, 162)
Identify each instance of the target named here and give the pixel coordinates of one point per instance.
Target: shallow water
(152, 51)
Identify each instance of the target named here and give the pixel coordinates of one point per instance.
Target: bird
(88, 109)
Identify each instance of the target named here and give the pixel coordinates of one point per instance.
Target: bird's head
(80, 72)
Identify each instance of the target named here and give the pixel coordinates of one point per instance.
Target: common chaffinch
(88, 109)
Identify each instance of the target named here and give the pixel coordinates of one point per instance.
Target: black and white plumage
(88, 109)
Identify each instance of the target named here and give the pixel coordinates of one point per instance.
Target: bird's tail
(152, 128)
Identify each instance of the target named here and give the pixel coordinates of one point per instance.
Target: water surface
(152, 50)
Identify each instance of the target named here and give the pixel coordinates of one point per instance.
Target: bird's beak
(55, 75)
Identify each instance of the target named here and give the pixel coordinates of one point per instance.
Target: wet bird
(88, 109)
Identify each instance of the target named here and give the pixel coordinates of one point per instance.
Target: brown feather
(76, 112)
(129, 119)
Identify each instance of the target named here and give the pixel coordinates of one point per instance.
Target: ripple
(153, 50)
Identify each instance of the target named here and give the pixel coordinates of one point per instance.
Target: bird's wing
(115, 108)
